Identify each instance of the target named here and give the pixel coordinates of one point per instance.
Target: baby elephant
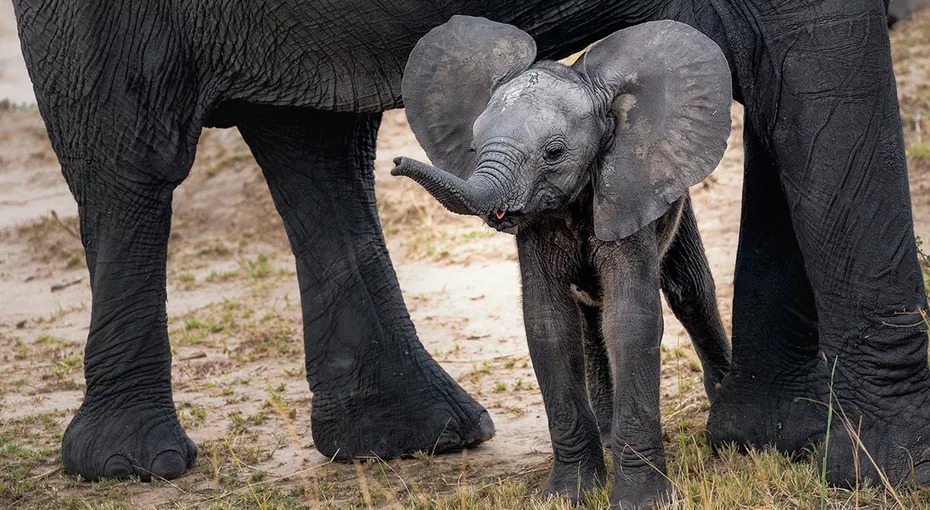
(589, 166)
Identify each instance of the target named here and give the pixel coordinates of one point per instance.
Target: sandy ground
(234, 311)
(14, 81)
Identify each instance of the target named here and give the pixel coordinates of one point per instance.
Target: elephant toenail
(117, 466)
(169, 464)
(485, 427)
(449, 440)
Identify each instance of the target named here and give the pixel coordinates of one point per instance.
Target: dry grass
(232, 470)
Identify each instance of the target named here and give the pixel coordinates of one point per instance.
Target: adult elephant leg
(127, 425)
(823, 94)
(120, 105)
(376, 391)
(776, 375)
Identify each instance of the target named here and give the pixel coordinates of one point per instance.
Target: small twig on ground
(66, 228)
(526, 472)
(161, 479)
(44, 474)
(277, 445)
(443, 431)
(183, 367)
(515, 357)
(65, 285)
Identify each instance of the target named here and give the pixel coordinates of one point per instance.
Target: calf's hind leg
(689, 288)
(597, 370)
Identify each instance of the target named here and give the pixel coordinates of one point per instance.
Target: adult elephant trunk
(480, 195)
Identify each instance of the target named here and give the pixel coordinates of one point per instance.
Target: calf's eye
(554, 152)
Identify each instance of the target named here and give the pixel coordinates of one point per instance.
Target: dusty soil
(234, 314)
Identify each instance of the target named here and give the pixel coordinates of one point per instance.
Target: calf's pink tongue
(500, 214)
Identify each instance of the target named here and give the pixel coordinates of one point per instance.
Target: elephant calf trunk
(455, 194)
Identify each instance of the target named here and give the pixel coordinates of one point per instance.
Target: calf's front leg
(632, 328)
(553, 332)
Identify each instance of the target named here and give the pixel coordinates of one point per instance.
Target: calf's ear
(450, 76)
(668, 89)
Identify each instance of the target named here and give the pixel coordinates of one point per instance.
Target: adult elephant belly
(349, 55)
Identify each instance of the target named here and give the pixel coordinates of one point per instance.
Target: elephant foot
(786, 409)
(643, 494)
(134, 439)
(891, 433)
(575, 479)
(885, 427)
(407, 411)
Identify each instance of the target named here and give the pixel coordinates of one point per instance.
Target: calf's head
(641, 116)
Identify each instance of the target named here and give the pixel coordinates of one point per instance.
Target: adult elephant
(826, 262)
